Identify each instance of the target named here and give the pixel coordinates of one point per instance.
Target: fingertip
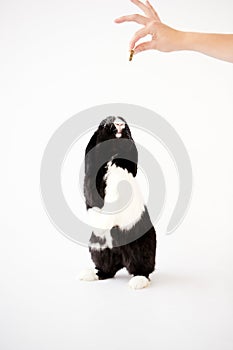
(132, 44)
(136, 50)
(120, 19)
(131, 47)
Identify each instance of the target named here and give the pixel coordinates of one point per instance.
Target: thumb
(148, 45)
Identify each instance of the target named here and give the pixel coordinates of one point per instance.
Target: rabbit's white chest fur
(123, 202)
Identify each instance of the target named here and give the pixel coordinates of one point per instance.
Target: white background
(58, 58)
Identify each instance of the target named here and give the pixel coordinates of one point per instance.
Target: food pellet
(131, 55)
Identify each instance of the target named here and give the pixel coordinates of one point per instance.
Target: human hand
(163, 37)
(166, 39)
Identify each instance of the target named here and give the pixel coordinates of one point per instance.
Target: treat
(131, 55)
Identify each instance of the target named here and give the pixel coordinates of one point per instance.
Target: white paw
(139, 282)
(88, 275)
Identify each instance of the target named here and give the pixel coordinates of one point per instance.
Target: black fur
(138, 256)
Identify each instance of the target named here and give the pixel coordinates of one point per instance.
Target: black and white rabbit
(126, 238)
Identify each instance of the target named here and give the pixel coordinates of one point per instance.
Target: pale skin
(167, 39)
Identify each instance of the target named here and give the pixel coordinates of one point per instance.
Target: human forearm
(219, 46)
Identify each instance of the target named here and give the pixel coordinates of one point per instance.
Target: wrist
(182, 41)
(191, 41)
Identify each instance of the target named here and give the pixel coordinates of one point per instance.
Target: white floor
(43, 306)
